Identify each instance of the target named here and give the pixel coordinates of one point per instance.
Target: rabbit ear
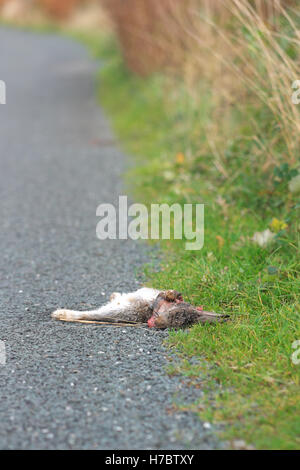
(212, 317)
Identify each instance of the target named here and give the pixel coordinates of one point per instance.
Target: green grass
(249, 358)
(257, 397)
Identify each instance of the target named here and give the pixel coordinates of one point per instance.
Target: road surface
(71, 386)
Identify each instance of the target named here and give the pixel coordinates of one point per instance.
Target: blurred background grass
(245, 53)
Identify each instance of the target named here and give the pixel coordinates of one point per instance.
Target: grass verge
(257, 397)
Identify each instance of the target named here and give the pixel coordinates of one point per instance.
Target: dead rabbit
(159, 309)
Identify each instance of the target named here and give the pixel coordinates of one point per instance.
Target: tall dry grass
(238, 47)
(250, 58)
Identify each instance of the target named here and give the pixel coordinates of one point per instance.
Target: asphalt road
(71, 385)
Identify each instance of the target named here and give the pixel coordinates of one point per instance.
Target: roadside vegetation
(219, 127)
(200, 92)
